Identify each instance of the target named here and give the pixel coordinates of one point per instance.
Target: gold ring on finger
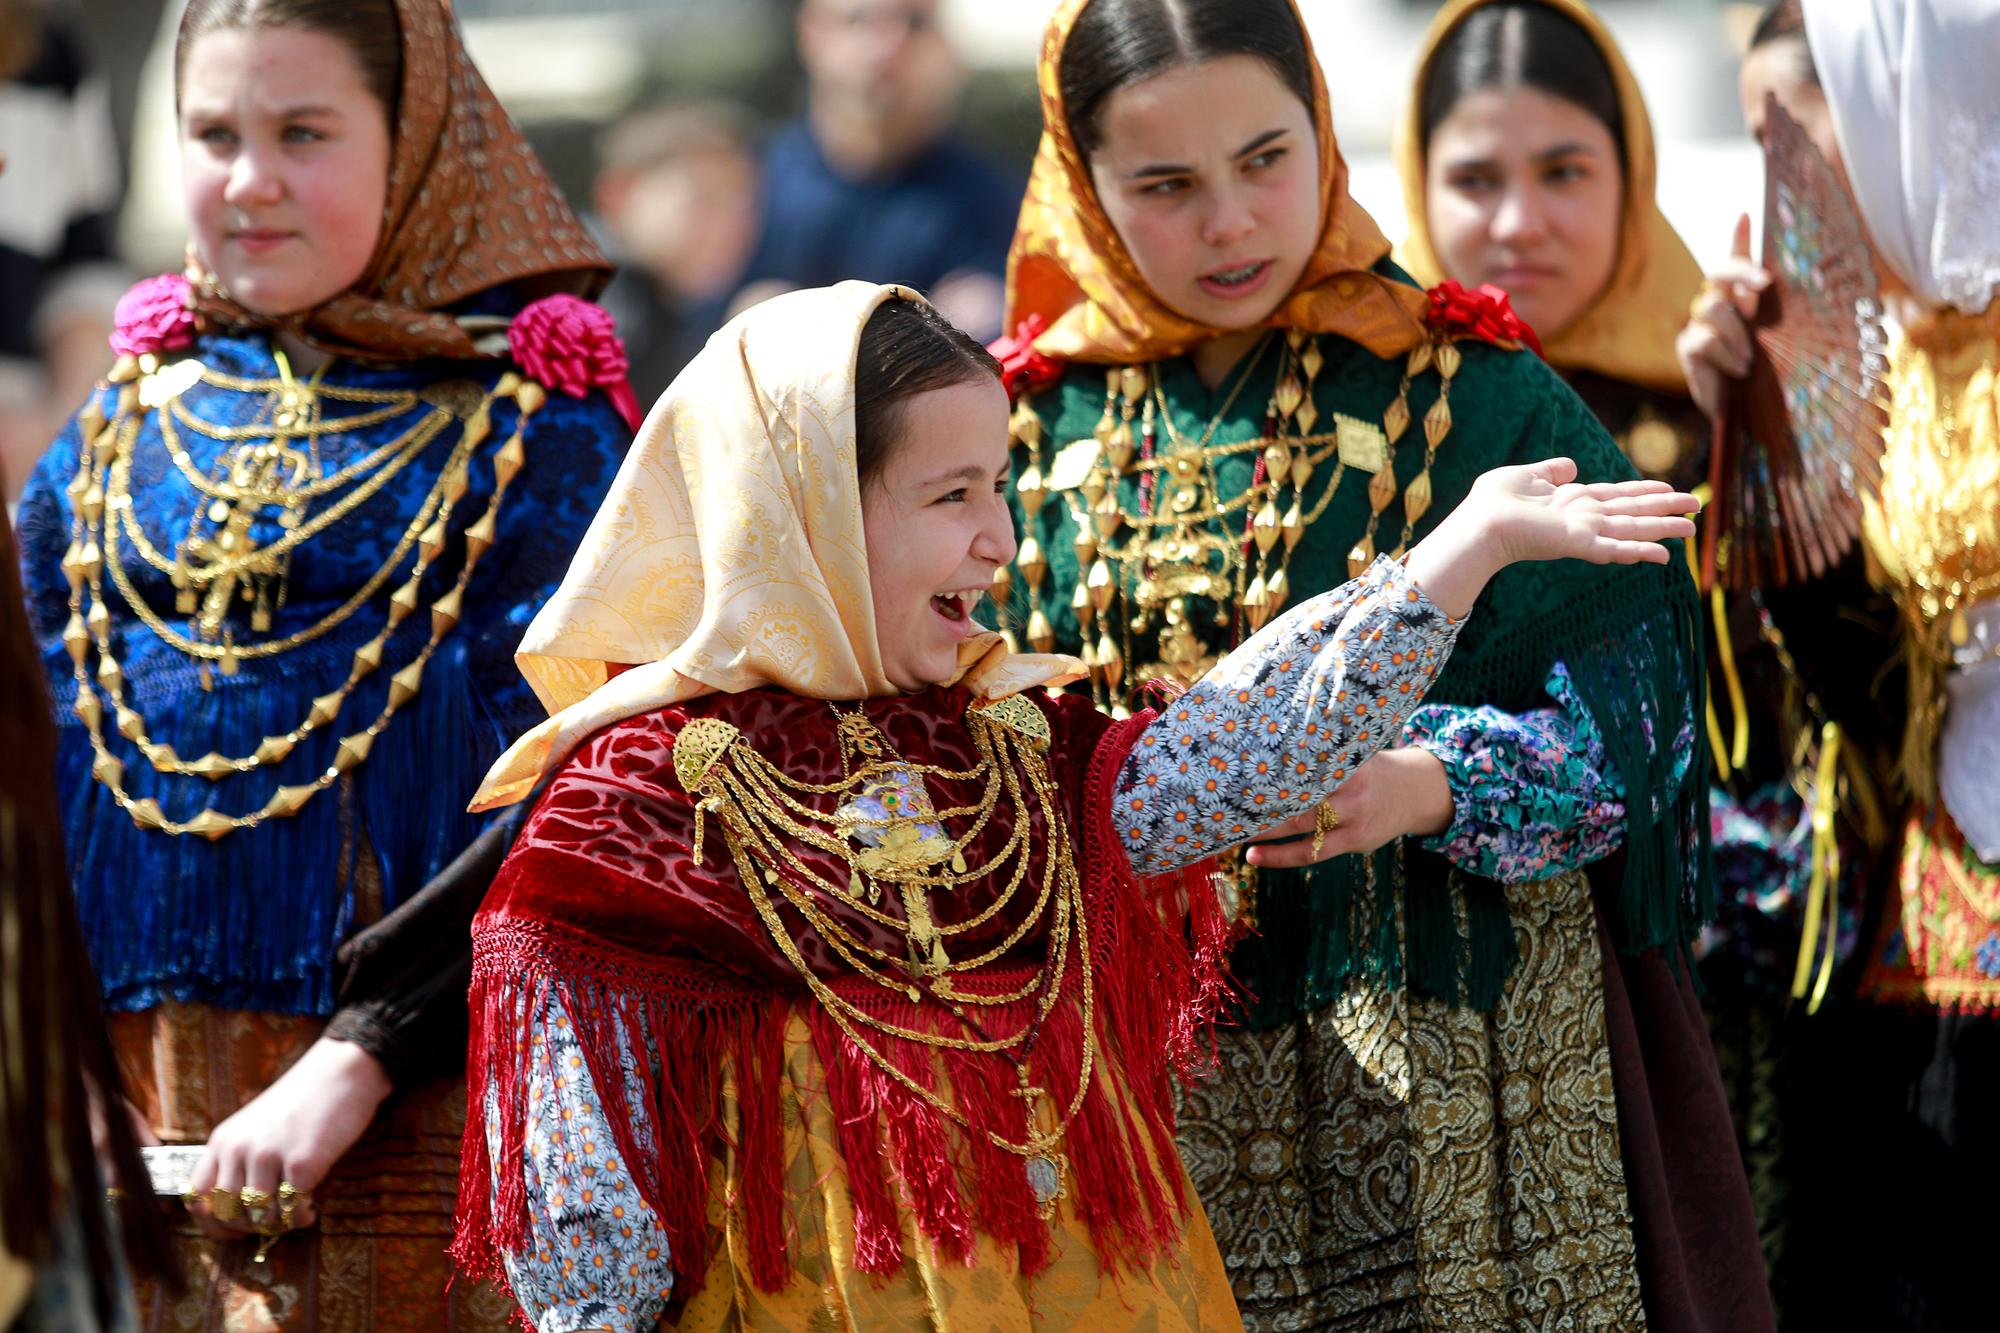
(288, 1203)
(1325, 820)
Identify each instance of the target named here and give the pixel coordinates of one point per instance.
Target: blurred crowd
(860, 171)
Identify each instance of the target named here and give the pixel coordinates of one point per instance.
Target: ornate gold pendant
(1047, 1176)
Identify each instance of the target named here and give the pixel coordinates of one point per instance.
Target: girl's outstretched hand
(1539, 511)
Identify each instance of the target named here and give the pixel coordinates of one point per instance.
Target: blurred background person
(58, 274)
(1527, 162)
(872, 181)
(677, 198)
(1896, 655)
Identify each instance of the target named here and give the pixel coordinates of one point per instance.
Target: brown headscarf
(468, 208)
(1628, 332)
(1069, 266)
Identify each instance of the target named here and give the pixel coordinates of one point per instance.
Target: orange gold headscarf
(1629, 330)
(1069, 267)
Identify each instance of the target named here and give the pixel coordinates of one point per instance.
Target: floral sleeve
(596, 1255)
(1532, 793)
(1279, 724)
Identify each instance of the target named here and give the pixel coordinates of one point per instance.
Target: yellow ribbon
(1737, 753)
(1739, 743)
(1823, 892)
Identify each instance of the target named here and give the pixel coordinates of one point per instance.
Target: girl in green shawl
(1466, 1017)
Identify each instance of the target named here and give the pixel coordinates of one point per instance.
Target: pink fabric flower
(568, 344)
(155, 316)
(1023, 369)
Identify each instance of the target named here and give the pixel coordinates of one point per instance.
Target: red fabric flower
(1485, 314)
(571, 345)
(1022, 369)
(154, 316)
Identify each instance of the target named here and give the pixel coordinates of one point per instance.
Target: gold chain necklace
(886, 829)
(101, 503)
(1175, 547)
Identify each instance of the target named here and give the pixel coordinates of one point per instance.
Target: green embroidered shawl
(1631, 637)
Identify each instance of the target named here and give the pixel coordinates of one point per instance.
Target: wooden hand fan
(1799, 440)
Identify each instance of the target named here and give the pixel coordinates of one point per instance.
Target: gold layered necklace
(880, 822)
(267, 470)
(1154, 527)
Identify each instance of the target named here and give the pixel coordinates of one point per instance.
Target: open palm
(1541, 512)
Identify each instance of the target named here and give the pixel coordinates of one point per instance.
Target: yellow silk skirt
(1186, 1291)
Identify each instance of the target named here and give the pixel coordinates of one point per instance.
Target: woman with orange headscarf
(277, 567)
(1527, 162)
(1228, 398)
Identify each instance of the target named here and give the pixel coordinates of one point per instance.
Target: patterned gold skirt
(1387, 1163)
(1186, 1292)
(375, 1261)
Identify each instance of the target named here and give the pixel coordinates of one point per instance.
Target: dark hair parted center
(1120, 42)
(1785, 21)
(1520, 45)
(906, 349)
(367, 28)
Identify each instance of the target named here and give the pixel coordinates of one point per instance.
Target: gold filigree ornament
(769, 817)
(270, 469)
(1935, 533)
(1184, 541)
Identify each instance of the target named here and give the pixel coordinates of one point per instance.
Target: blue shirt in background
(946, 211)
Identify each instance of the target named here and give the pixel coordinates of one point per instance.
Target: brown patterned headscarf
(468, 208)
(1069, 267)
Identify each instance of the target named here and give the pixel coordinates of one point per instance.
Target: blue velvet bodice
(251, 921)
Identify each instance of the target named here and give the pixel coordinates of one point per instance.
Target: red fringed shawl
(602, 902)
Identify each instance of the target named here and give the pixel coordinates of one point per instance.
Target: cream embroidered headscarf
(729, 554)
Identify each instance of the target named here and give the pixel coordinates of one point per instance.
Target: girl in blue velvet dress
(277, 566)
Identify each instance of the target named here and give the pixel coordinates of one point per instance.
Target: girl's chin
(913, 676)
(261, 299)
(1227, 316)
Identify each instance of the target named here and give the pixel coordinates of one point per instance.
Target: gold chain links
(101, 502)
(766, 817)
(1174, 547)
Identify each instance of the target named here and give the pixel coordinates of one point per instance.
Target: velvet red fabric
(602, 901)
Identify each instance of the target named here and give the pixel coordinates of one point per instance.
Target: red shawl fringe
(1157, 958)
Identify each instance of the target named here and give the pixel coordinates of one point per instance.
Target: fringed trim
(1641, 686)
(610, 996)
(251, 922)
(1409, 919)
(1635, 656)
(709, 1028)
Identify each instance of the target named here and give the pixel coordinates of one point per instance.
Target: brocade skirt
(375, 1261)
(1389, 1163)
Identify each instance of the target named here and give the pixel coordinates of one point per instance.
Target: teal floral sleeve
(1533, 793)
